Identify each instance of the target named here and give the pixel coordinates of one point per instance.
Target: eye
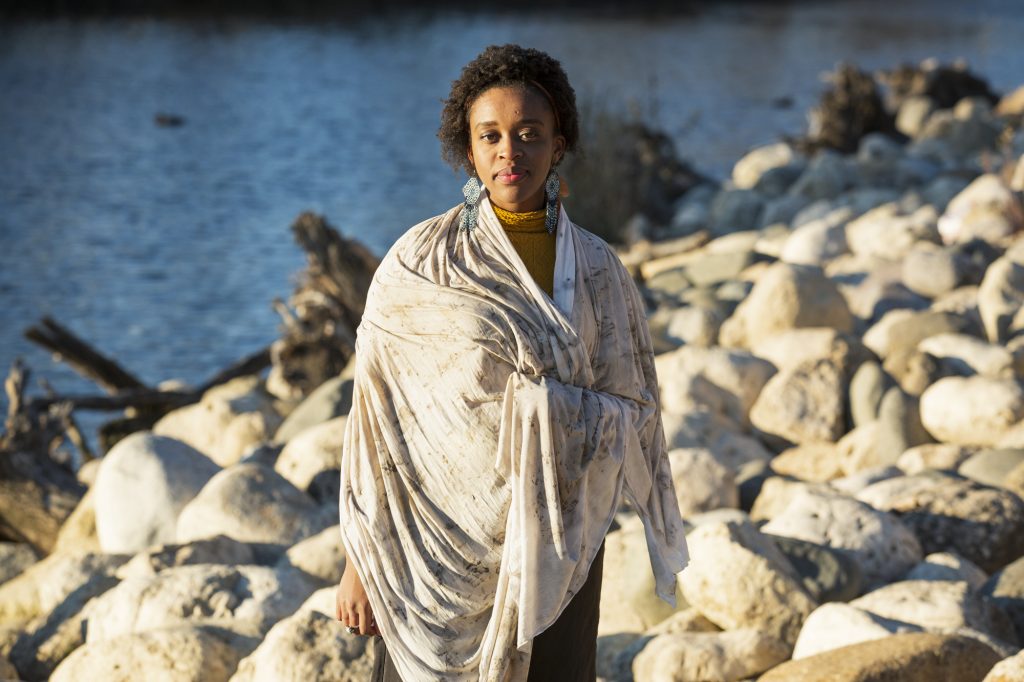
(490, 137)
(528, 134)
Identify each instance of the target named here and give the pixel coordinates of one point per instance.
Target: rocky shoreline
(841, 351)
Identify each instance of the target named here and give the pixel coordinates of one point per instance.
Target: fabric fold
(493, 434)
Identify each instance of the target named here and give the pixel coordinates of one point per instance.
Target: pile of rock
(841, 345)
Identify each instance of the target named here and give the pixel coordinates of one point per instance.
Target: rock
(835, 625)
(900, 427)
(816, 462)
(7, 671)
(948, 566)
(818, 241)
(992, 467)
(210, 425)
(868, 385)
(1006, 590)
(321, 556)
(198, 594)
(891, 231)
(854, 483)
(908, 657)
(775, 182)
(687, 620)
(860, 449)
(78, 533)
(252, 503)
(733, 655)
(687, 325)
(985, 209)
(972, 354)
(875, 292)
(44, 585)
(216, 550)
(712, 269)
(313, 452)
(790, 348)
(786, 297)
(826, 573)
(63, 586)
(143, 484)
(15, 557)
(178, 654)
(1012, 103)
(931, 271)
(701, 428)
(937, 606)
(1015, 481)
(737, 578)
(882, 546)
(748, 171)
(971, 410)
(777, 493)
(735, 210)
(329, 400)
(750, 477)
(628, 599)
(803, 404)
(827, 175)
(949, 513)
(1001, 299)
(1008, 670)
(701, 482)
(308, 647)
(902, 330)
(915, 371)
(912, 114)
(615, 654)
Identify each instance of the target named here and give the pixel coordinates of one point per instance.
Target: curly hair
(505, 66)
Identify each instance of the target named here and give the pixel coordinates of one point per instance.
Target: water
(165, 246)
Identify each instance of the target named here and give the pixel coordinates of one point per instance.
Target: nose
(510, 148)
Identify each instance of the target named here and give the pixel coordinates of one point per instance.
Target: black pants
(565, 652)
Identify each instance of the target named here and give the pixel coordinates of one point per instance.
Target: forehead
(510, 103)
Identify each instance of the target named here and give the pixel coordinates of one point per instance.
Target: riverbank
(840, 351)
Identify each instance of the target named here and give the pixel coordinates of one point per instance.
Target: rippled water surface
(164, 246)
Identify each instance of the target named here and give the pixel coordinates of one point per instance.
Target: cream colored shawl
(492, 435)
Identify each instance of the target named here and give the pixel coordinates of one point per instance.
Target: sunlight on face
(513, 145)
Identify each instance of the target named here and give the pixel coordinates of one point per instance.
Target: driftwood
(37, 493)
(323, 313)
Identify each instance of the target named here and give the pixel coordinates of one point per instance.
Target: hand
(353, 608)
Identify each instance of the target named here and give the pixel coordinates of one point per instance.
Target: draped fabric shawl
(493, 433)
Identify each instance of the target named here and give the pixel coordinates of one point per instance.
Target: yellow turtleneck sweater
(532, 242)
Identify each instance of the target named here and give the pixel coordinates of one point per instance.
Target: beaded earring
(471, 208)
(552, 186)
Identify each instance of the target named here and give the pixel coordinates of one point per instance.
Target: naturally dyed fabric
(493, 433)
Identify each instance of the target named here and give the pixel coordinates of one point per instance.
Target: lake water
(165, 246)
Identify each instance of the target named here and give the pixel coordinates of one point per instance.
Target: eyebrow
(532, 121)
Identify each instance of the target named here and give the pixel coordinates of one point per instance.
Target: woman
(505, 402)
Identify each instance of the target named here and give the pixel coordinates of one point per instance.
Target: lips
(510, 176)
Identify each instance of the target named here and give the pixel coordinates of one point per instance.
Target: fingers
(366, 624)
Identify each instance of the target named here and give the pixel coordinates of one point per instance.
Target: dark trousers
(565, 652)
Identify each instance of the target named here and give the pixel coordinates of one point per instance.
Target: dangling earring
(551, 188)
(471, 209)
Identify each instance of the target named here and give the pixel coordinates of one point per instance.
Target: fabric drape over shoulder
(493, 433)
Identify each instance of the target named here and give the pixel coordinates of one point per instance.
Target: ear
(469, 155)
(559, 150)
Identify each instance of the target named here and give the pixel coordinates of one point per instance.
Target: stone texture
(321, 556)
(883, 547)
(15, 557)
(198, 594)
(703, 429)
(868, 385)
(1001, 299)
(910, 657)
(949, 513)
(816, 462)
(329, 400)
(993, 466)
(178, 654)
(1006, 590)
(890, 231)
(933, 456)
(786, 297)
(901, 331)
(216, 550)
(818, 241)
(777, 493)
(308, 647)
(790, 348)
(78, 533)
(314, 451)
(835, 625)
(229, 420)
(749, 169)
(827, 574)
(973, 355)
(737, 578)
(972, 410)
(252, 503)
(938, 606)
(701, 482)
(1008, 670)
(142, 485)
(726, 656)
(985, 209)
(628, 599)
(948, 566)
(804, 404)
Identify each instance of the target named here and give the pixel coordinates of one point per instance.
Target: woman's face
(513, 145)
